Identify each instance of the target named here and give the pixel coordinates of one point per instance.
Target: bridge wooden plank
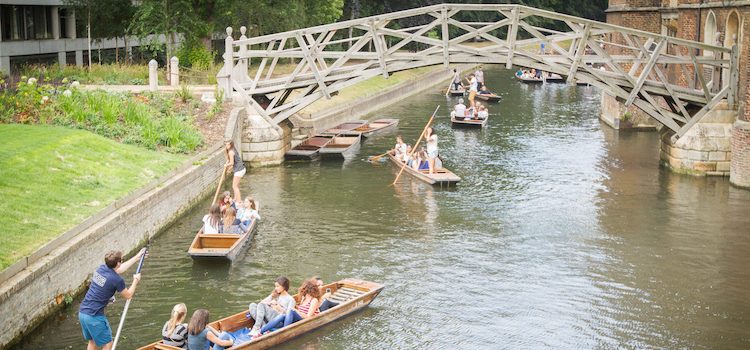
(446, 37)
(275, 59)
(701, 79)
(580, 50)
(645, 73)
(511, 38)
(311, 62)
(379, 48)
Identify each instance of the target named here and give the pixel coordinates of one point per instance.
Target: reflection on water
(562, 234)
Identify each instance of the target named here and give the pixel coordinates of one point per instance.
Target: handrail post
(224, 77)
(734, 72)
(243, 63)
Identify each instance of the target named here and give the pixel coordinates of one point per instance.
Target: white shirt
(460, 110)
(473, 84)
(207, 228)
(432, 143)
(480, 76)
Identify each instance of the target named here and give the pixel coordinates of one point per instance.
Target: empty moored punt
(220, 245)
(377, 127)
(488, 97)
(351, 294)
(348, 128)
(341, 147)
(441, 176)
(473, 123)
(308, 149)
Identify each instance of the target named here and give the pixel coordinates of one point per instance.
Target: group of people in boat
(421, 159)
(230, 216)
(477, 111)
(278, 310)
(475, 84)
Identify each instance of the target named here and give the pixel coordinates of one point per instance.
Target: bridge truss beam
(664, 76)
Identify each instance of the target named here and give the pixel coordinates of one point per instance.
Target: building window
(26, 22)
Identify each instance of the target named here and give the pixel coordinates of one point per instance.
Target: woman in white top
(432, 148)
(212, 220)
(401, 149)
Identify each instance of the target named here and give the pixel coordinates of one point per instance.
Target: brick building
(713, 22)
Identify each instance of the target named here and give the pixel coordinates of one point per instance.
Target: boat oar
(375, 158)
(450, 83)
(414, 148)
(127, 303)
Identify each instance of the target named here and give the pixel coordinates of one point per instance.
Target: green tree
(170, 18)
(111, 18)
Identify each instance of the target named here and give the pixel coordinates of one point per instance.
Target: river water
(563, 234)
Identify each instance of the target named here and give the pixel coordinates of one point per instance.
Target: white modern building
(31, 29)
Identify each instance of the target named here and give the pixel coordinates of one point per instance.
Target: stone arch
(732, 35)
(710, 37)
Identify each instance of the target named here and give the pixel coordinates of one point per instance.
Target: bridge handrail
(476, 7)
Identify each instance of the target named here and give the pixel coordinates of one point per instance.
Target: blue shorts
(95, 328)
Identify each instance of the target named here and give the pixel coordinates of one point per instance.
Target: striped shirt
(305, 309)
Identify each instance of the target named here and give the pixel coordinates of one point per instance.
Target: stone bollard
(174, 71)
(153, 77)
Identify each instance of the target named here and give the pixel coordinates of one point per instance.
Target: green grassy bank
(52, 178)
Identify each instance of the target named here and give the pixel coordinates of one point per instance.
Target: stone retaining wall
(617, 116)
(38, 289)
(740, 164)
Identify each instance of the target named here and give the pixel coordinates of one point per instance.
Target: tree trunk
(88, 30)
(117, 52)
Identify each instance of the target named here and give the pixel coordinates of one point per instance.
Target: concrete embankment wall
(36, 287)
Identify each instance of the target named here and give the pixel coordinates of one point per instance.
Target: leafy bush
(194, 54)
(145, 120)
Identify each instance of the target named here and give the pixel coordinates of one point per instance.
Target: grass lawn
(52, 178)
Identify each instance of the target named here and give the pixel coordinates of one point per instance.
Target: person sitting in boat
(425, 163)
(401, 150)
(459, 109)
(226, 201)
(231, 224)
(249, 211)
(417, 159)
(325, 299)
(279, 302)
(520, 73)
(483, 113)
(174, 332)
(538, 74)
(200, 333)
(309, 296)
(212, 220)
(484, 91)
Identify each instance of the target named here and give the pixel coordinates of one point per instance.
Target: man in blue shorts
(104, 283)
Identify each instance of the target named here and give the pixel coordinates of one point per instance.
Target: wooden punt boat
(460, 92)
(220, 245)
(308, 149)
(348, 128)
(377, 127)
(554, 78)
(341, 147)
(351, 294)
(441, 176)
(488, 97)
(472, 123)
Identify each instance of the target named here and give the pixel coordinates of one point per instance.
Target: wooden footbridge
(675, 81)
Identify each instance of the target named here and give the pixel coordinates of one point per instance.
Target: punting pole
(127, 304)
